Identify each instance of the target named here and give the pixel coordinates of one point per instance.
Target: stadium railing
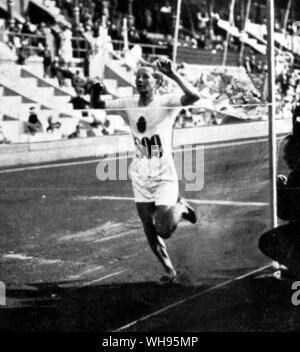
(81, 45)
(33, 41)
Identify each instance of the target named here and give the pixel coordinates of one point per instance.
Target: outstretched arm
(191, 94)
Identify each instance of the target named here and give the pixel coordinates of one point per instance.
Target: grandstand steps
(115, 69)
(13, 100)
(47, 82)
(124, 81)
(36, 95)
(65, 93)
(28, 83)
(42, 96)
(22, 87)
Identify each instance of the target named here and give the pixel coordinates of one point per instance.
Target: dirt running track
(74, 258)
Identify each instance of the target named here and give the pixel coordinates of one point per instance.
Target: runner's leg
(167, 218)
(146, 213)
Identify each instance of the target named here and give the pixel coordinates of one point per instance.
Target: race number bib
(149, 147)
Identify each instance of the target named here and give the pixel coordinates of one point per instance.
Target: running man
(154, 179)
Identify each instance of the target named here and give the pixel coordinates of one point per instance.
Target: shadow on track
(253, 304)
(47, 307)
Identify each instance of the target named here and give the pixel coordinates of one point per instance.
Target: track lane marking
(196, 201)
(176, 150)
(103, 278)
(192, 297)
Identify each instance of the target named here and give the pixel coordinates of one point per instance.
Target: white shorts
(154, 180)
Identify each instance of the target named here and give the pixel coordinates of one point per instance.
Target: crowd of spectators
(72, 40)
(55, 44)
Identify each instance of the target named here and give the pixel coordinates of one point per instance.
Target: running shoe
(190, 214)
(169, 279)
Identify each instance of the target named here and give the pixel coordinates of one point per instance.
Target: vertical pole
(271, 111)
(10, 5)
(190, 17)
(176, 31)
(287, 14)
(125, 35)
(286, 17)
(210, 9)
(76, 14)
(244, 31)
(130, 14)
(231, 21)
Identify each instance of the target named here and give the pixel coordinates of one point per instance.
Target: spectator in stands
(214, 120)
(259, 67)
(148, 19)
(102, 128)
(78, 133)
(238, 22)
(33, 125)
(203, 19)
(53, 125)
(201, 41)
(23, 53)
(187, 41)
(62, 62)
(18, 28)
(78, 81)
(66, 50)
(27, 28)
(166, 18)
(108, 127)
(253, 64)
(78, 102)
(133, 35)
(47, 61)
(40, 32)
(284, 81)
(194, 43)
(188, 120)
(247, 64)
(114, 32)
(11, 25)
(56, 71)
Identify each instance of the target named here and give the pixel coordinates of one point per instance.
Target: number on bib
(149, 147)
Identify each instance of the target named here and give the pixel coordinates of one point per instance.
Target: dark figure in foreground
(282, 244)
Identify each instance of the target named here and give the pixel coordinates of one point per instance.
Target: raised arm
(191, 94)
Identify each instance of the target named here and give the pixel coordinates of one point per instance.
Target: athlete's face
(145, 80)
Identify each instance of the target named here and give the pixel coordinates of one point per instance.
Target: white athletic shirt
(152, 124)
(152, 171)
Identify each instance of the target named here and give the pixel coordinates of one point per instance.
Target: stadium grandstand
(73, 254)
